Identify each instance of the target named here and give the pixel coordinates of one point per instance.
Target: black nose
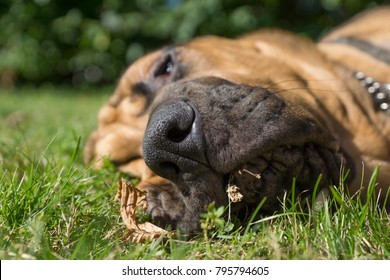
(173, 144)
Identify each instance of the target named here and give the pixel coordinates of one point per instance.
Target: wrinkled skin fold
(211, 137)
(256, 112)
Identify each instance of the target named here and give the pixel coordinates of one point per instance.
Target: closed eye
(165, 68)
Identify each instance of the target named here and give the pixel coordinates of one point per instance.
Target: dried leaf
(132, 200)
(234, 193)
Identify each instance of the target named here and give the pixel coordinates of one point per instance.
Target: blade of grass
(253, 216)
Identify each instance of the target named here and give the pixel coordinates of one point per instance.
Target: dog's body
(205, 114)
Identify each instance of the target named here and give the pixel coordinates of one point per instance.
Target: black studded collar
(380, 92)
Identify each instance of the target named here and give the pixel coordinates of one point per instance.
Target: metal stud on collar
(380, 92)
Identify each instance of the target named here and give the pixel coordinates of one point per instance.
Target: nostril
(177, 135)
(169, 168)
(173, 141)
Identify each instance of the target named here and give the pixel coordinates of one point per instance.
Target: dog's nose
(173, 144)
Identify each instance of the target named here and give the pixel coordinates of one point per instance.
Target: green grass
(54, 207)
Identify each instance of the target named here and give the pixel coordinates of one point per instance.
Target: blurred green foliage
(90, 42)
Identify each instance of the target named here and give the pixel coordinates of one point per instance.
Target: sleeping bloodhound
(256, 112)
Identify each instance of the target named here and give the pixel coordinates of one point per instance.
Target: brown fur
(315, 81)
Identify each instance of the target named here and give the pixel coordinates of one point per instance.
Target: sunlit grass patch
(52, 206)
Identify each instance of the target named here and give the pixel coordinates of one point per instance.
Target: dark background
(90, 42)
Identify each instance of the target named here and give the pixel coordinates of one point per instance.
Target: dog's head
(191, 119)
